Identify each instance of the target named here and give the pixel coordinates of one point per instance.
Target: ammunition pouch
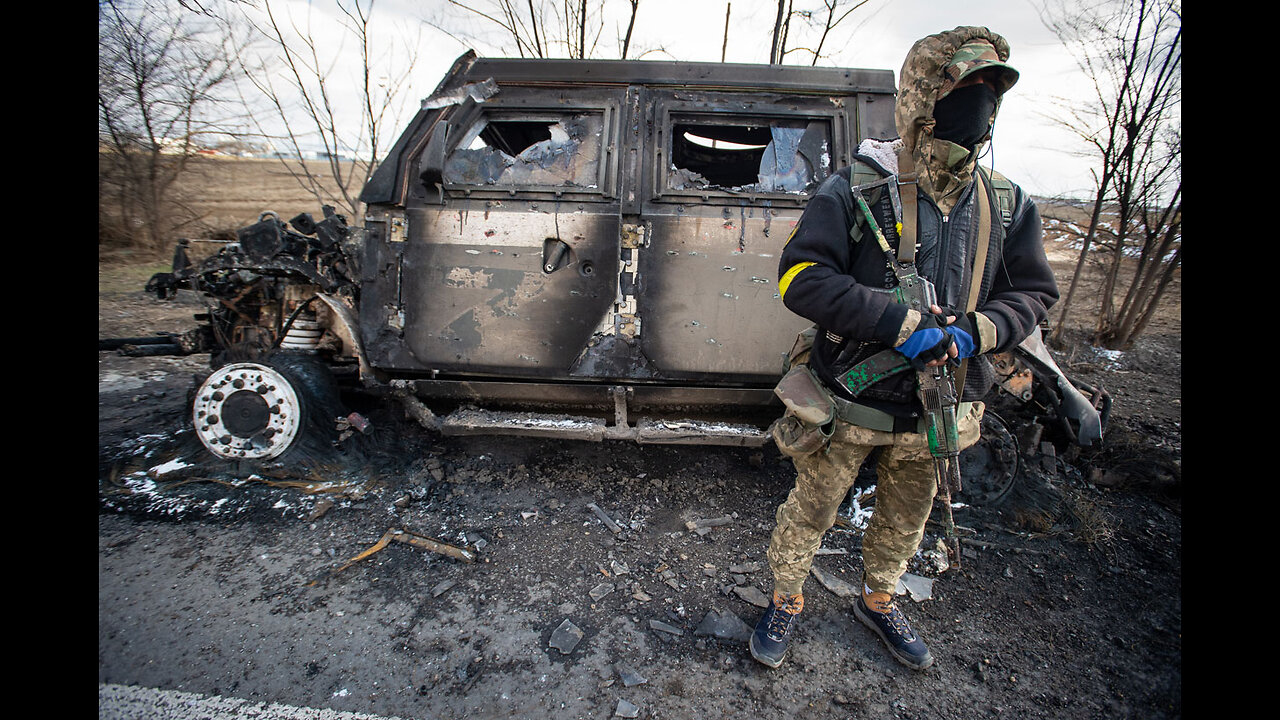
(807, 425)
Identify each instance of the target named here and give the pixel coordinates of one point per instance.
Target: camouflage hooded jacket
(826, 274)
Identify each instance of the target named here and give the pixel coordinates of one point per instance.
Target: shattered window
(529, 151)
(770, 155)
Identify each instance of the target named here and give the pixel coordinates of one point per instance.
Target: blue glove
(965, 332)
(964, 342)
(925, 346)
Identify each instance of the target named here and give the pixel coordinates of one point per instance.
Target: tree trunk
(1056, 336)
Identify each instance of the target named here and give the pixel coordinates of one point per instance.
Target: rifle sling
(983, 208)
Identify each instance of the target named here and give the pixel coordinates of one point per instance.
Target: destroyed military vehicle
(559, 248)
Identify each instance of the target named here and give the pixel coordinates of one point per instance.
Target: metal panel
(710, 304)
(477, 297)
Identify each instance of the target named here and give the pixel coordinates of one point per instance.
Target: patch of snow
(1111, 358)
(165, 468)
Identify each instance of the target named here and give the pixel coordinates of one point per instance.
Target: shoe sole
(771, 663)
(904, 659)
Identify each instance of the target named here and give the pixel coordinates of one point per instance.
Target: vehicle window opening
(773, 156)
(529, 152)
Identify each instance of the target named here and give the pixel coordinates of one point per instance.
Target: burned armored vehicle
(583, 249)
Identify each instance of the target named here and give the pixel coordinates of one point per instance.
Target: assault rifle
(935, 386)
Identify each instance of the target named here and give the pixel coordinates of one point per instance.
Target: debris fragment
(836, 585)
(752, 594)
(920, 588)
(629, 676)
(708, 523)
(937, 557)
(604, 518)
(416, 540)
(442, 588)
(598, 592)
(351, 424)
(660, 626)
(320, 508)
(626, 709)
(725, 626)
(745, 568)
(566, 637)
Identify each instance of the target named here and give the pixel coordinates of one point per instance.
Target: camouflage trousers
(905, 487)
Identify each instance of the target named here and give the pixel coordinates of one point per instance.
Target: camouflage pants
(905, 487)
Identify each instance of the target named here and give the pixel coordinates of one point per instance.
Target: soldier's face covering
(964, 115)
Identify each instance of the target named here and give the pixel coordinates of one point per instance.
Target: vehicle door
(731, 174)
(515, 269)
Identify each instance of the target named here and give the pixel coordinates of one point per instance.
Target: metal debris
(626, 709)
(708, 523)
(833, 583)
(752, 594)
(920, 588)
(604, 518)
(724, 625)
(600, 591)
(321, 507)
(416, 540)
(660, 626)
(566, 637)
(629, 676)
(442, 588)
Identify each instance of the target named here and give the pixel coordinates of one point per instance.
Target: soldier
(833, 272)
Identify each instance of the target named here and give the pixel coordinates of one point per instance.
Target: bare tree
(1131, 50)
(542, 28)
(161, 74)
(777, 49)
(812, 30)
(297, 81)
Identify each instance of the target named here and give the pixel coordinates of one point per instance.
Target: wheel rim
(246, 411)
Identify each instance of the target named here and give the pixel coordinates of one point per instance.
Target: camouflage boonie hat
(975, 55)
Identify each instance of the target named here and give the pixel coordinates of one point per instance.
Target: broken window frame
(606, 171)
(711, 112)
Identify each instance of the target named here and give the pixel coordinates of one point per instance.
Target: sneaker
(878, 612)
(769, 642)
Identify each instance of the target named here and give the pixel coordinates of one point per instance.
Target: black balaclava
(964, 115)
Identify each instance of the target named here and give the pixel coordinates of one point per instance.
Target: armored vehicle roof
(702, 75)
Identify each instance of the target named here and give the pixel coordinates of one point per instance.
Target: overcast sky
(1028, 146)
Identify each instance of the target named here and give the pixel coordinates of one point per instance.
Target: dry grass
(224, 194)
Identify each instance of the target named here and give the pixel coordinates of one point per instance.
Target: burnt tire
(279, 408)
(990, 468)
